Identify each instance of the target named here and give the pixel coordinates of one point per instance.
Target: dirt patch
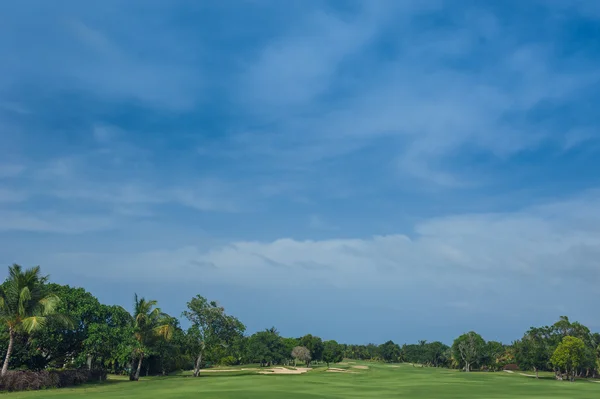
(283, 370)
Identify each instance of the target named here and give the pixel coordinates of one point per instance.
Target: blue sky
(360, 170)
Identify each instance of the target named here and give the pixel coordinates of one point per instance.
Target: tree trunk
(136, 377)
(11, 342)
(197, 365)
(89, 362)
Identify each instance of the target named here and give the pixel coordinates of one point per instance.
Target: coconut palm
(149, 324)
(26, 305)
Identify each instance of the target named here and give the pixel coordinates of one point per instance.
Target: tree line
(50, 326)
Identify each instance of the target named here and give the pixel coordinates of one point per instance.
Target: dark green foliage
(35, 380)
(314, 345)
(332, 352)
(389, 352)
(267, 348)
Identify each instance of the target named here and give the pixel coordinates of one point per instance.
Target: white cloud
(556, 242)
(53, 222)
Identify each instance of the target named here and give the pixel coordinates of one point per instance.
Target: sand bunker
(283, 370)
(395, 367)
(221, 370)
(360, 367)
(336, 370)
(527, 375)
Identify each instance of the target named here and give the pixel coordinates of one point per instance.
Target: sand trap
(336, 370)
(527, 375)
(360, 367)
(395, 367)
(509, 371)
(220, 371)
(283, 370)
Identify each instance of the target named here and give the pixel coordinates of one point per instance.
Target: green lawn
(379, 381)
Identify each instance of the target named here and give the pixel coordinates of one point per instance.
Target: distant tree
(149, 325)
(469, 349)
(314, 345)
(332, 352)
(290, 344)
(532, 351)
(492, 353)
(569, 355)
(301, 353)
(266, 347)
(211, 327)
(26, 305)
(389, 351)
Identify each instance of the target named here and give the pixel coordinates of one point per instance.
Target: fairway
(378, 381)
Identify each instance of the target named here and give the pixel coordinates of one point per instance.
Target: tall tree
(211, 327)
(149, 324)
(26, 305)
(469, 348)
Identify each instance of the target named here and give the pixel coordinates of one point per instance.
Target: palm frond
(49, 304)
(24, 296)
(33, 323)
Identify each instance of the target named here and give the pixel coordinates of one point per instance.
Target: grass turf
(379, 381)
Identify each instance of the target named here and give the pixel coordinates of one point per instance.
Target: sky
(358, 170)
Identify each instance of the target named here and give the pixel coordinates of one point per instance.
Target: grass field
(378, 381)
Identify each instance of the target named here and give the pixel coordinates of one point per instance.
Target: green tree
(389, 351)
(266, 347)
(26, 305)
(149, 325)
(569, 355)
(314, 345)
(532, 351)
(110, 341)
(211, 327)
(469, 349)
(492, 354)
(332, 352)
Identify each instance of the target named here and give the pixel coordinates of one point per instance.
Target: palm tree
(25, 305)
(149, 324)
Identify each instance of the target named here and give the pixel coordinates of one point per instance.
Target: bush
(34, 380)
(228, 361)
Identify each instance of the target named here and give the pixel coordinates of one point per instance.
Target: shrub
(34, 380)
(228, 361)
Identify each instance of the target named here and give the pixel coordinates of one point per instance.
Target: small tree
(301, 353)
(332, 353)
(569, 355)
